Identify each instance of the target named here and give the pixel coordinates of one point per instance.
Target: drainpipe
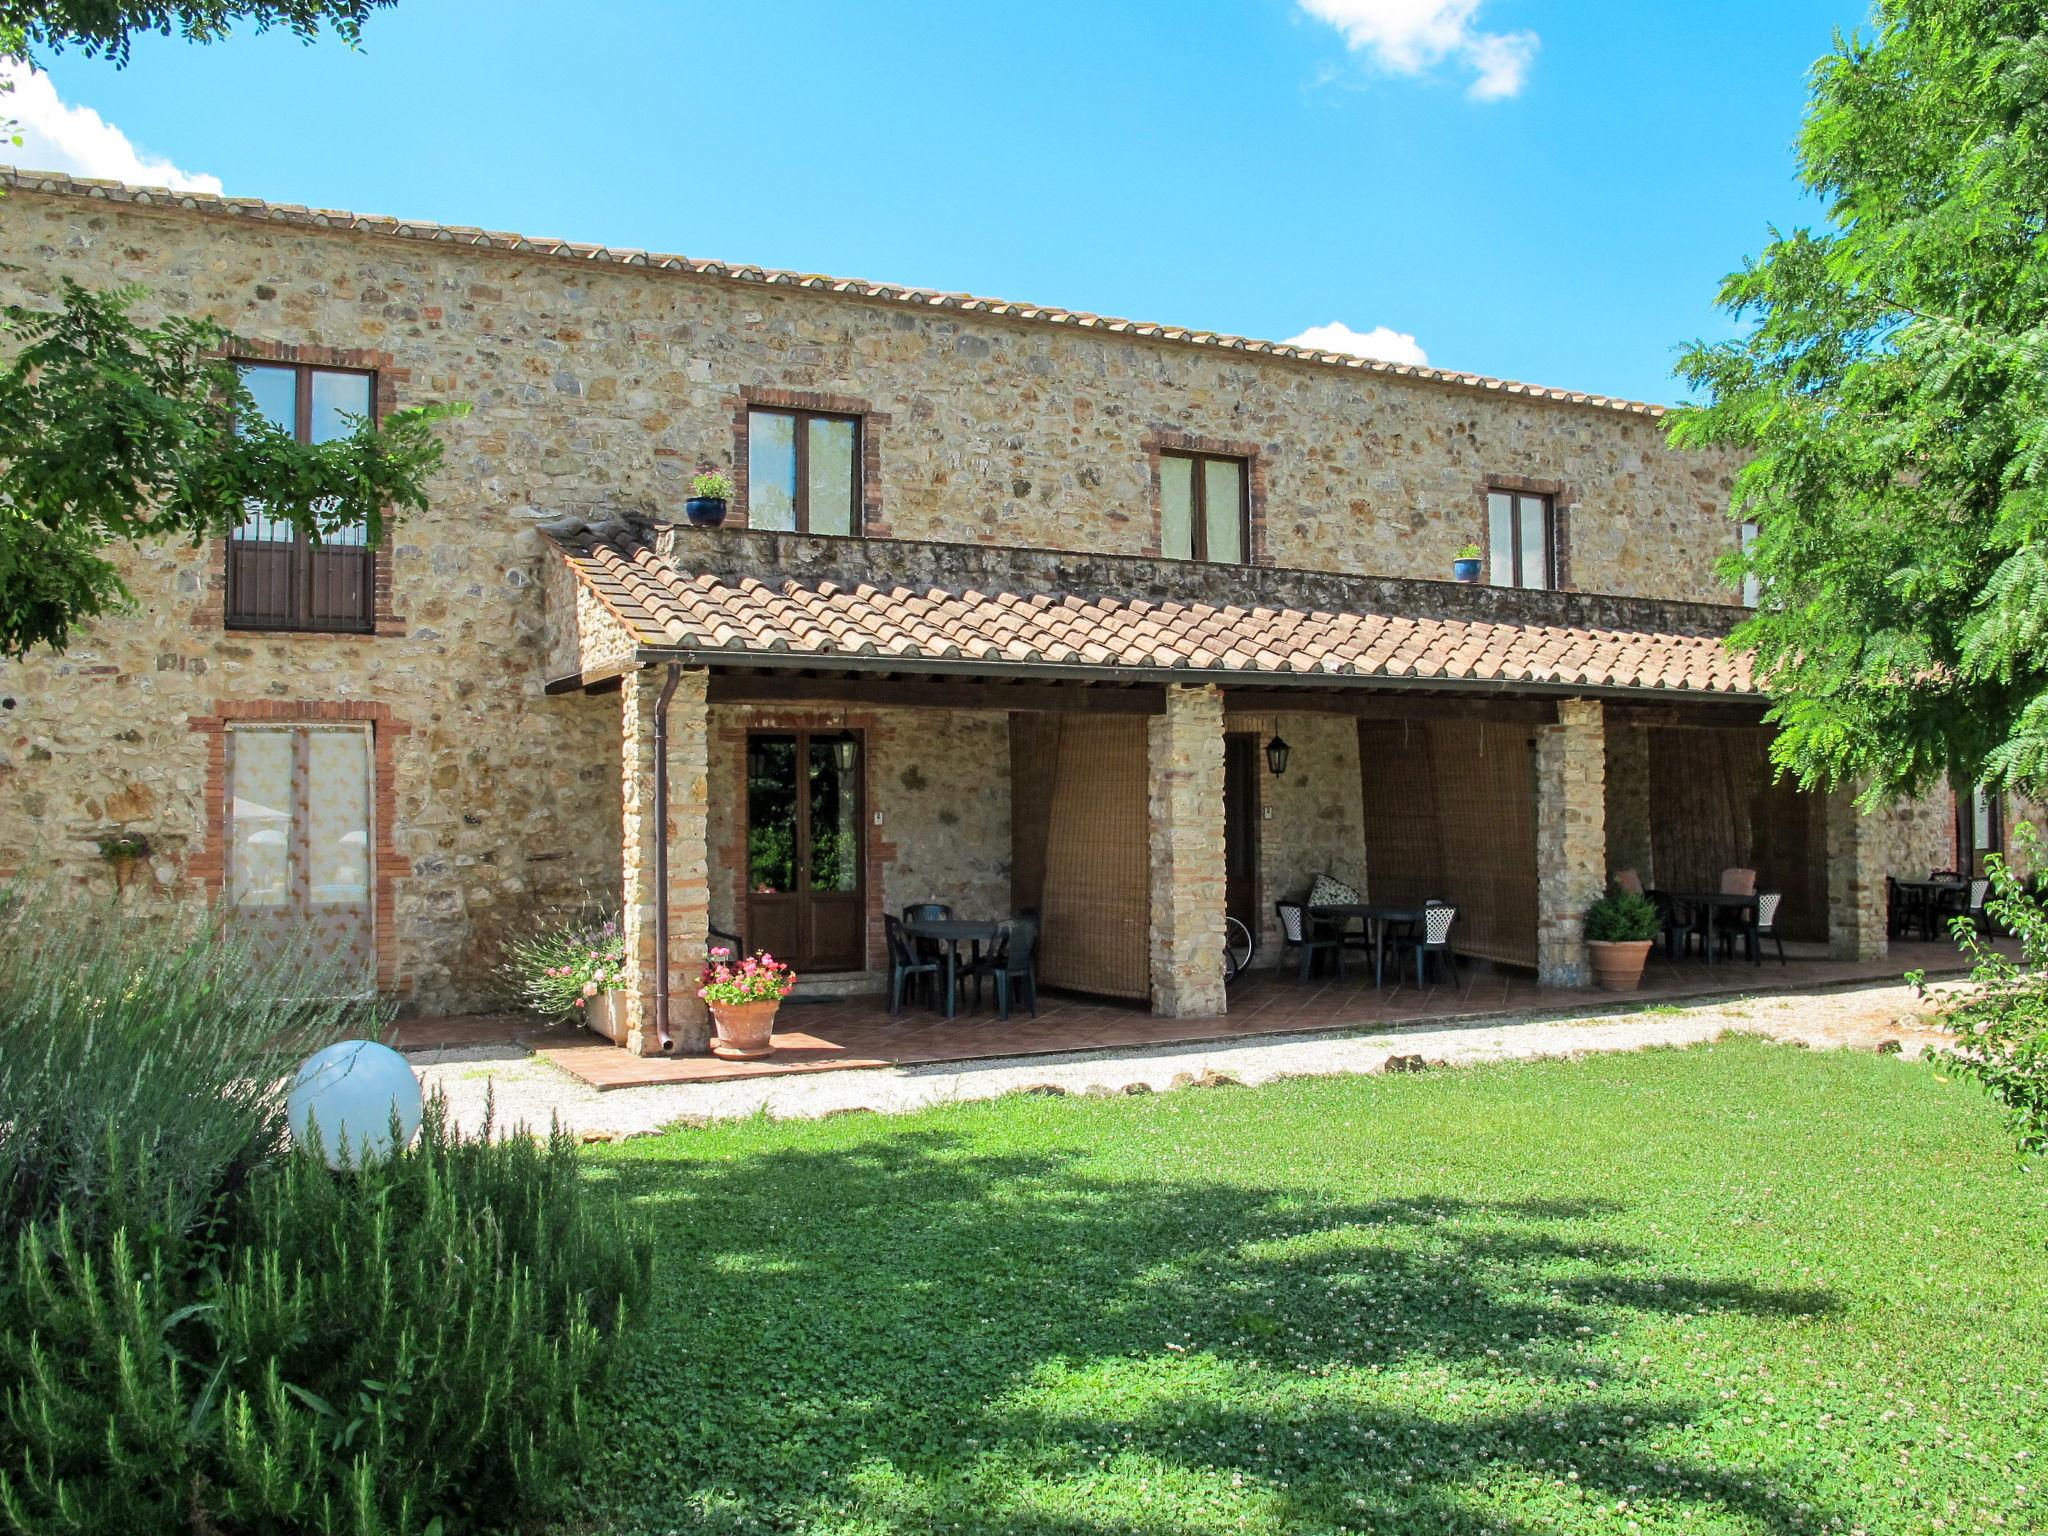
(668, 691)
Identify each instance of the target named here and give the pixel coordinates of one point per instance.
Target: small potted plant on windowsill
(126, 852)
(1465, 564)
(744, 999)
(709, 493)
(574, 972)
(1619, 931)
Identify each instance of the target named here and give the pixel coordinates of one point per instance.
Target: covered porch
(800, 760)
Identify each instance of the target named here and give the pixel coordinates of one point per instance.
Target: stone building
(1009, 609)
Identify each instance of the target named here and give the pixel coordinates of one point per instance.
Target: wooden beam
(1732, 714)
(936, 693)
(1361, 704)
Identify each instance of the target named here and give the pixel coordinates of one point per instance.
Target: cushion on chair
(1738, 882)
(1327, 892)
(1629, 881)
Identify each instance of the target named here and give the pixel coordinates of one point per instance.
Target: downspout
(668, 691)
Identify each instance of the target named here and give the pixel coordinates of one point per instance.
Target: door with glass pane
(805, 851)
(298, 839)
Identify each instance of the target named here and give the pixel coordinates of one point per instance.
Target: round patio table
(1378, 915)
(953, 932)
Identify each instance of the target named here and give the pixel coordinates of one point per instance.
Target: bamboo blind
(1034, 758)
(1450, 811)
(1714, 805)
(1096, 912)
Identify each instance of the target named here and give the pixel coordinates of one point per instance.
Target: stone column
(1856, 894)
(689, 886)
(1628, 801)
(1571, 837)
(1184, 751)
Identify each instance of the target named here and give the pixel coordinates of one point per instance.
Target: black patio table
(1927, 896)
(1377, 915)
(953, 932)
(1711, 902)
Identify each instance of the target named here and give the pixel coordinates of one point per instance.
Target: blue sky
(1544, 191)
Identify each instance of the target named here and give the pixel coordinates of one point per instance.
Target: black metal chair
(1438, 918)
(1895, 914)
(731, 941)
(907, 965)
(1310, 938)
(1009, 962)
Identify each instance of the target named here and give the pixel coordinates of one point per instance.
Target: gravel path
(529, 1091)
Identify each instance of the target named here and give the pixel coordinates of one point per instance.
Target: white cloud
(1410, 37)
(1382, 342)
(56, 136)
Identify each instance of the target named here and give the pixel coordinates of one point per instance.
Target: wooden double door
(806, 849)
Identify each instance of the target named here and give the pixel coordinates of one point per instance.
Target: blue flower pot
(1466, 571)
(705, 511)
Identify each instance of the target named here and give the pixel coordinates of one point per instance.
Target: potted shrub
(743, 1001)
(1619, 931)
(573, 972)
(709, 493)
(1465, 565)
(127, 852)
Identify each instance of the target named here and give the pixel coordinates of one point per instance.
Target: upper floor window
(1519, 528)
(803, 471)
(1752, 584)
(1204, 507)
(277, 577)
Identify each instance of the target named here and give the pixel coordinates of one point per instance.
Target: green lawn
(1739, 1288)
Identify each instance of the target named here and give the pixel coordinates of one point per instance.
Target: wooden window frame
(1198, 510)
(301, 593)
(1550, 560)
(800, 506)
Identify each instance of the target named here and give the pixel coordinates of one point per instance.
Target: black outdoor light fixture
(1276, 755)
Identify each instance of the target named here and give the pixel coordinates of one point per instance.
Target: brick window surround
(387, 867)
(1561, 499)
(874, 524)
(1169, 439)
(213, 609)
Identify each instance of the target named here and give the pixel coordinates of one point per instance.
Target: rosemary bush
(204, 1329)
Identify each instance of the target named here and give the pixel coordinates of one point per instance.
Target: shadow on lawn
(934, 1336)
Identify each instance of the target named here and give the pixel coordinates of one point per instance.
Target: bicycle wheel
(1238, 948)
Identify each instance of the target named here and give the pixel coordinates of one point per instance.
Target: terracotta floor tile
(857, 1033)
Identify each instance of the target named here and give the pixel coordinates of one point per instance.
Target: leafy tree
(1893, 394)
(112, 431)
(104, 27)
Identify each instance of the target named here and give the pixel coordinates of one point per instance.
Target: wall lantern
(844, 746)
(1276, 755)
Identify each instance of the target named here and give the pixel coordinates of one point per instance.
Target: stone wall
(1571, 837)
(940, 781)
(1184, 754)
(1315, 826)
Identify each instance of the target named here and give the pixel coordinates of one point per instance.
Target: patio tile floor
(858, 1032)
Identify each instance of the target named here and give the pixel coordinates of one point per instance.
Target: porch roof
(751, 599)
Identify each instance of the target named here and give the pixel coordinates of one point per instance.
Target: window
(803, 471)
(277, 578)
(299, 837)
(1204, 508)
(1752, 584)
(1518, 527)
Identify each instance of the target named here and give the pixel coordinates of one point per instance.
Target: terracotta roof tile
(671, 609)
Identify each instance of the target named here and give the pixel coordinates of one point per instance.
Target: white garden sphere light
(351, 1091)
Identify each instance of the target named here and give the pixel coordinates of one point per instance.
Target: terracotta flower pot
(745, 1030)
(1618, 964)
